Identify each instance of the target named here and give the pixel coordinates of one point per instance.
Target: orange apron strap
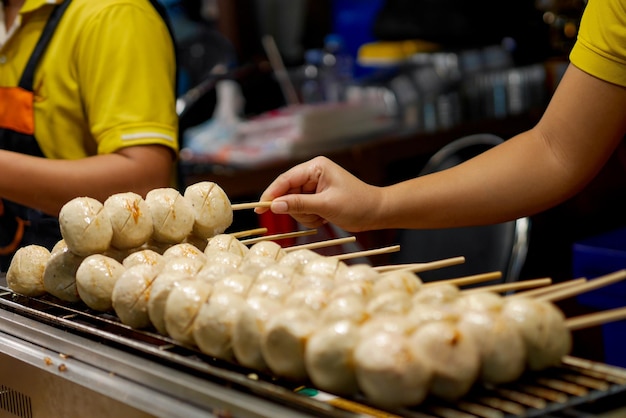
(16, 110)
(17, 238)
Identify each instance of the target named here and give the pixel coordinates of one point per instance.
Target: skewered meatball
(213, 327)
(329, 357)
(131, 294)
(284, 341)
(542, 326)
(182, 307)
(95, 279)
(130, 218)
(249, 328)
(25, 273)
(85, 226)
(59, 275)
(172, 215)
(212, 209)
(454, 357)
(389, 372)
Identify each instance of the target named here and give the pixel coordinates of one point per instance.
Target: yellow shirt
(600, 48)
(106, 80)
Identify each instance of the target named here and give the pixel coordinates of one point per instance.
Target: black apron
(21, 225)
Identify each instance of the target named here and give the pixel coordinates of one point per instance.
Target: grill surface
(578, 388)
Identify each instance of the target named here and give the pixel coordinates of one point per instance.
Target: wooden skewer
(505, 287)
(321, 244)
(547, 289)
(276, 237)
(250, 205)
(367, 253)
(467, 280)
(585, 287)
(249, 232)
(596, 318)
(419, 267)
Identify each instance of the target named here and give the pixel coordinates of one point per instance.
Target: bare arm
(530, 172)
(48, 184)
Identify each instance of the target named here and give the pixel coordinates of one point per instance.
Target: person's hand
(320, 191)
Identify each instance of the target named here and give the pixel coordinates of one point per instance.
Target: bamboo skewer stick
(367, 253)
(276, 237)
(548, 289)
(321, 244)
(585, 287)
(596, 318)
(467, 280)
(249, 232)
(419, 267)
(505, 287)
(250, 205)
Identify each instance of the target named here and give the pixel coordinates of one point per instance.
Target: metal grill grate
(557, 393)
(15, 402)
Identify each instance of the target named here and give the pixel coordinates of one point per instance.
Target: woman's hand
(319, 191)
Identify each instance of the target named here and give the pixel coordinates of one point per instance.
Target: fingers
(300, 179)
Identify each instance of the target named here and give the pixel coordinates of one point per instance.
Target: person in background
(87, 108)
(531, 172)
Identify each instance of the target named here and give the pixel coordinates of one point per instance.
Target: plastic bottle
(311, 90)
(337, 67)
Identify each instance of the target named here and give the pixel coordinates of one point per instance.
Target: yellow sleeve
(127, 74)
(600, 48)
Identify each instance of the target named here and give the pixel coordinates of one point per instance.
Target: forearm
(528, 173)
(505, 183)
(47, 184)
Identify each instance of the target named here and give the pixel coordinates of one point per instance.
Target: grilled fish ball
(183, 265)
(329, 357)
(270, 288)
(390, 302)
(360, 288)
(542, 326)
(436, 294)
(323, 266)
(237, 283)
(227, 243)
(277, 272)
(214, 324)
(183, 306)
(389, 372)
(268, 249)
(131, 294)
(405, 281)
(172, 215)
(453, 356)
(284, 341)
(249, 328)
(357, 273)
(59, 275)
(348, 307)
(212, 209)
(314, 299)
(299, 258)
(501, 346)
(159, 291)
(146, 256)
(130, 218)
(253, 265)
(95, 279)
(184, 249)
(85, 226)
(25, 273)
